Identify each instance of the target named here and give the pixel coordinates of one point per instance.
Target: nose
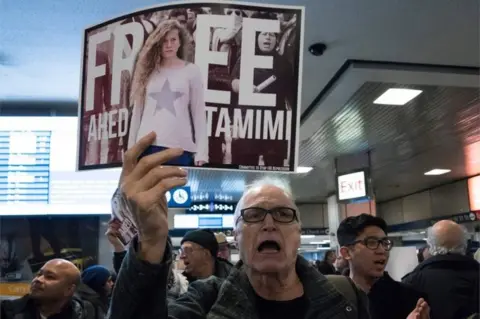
(381, 250)
(269, 223)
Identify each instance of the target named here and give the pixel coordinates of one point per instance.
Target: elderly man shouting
(271, 281)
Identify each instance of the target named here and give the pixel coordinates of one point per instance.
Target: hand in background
(421, 311)
(113, 236)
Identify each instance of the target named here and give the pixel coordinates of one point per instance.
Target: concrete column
(334, 219)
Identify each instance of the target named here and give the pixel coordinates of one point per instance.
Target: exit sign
(352, 186)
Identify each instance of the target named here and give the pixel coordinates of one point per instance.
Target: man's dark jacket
(140, 292)
(25, 308)
(451, 283)
(392, 299)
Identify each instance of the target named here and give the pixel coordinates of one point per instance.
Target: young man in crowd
(365, 245)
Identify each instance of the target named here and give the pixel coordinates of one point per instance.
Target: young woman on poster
(167, 94)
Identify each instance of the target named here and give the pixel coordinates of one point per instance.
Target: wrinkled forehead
(267, 197)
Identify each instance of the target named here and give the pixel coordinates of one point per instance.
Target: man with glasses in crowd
(199, 249)
(365, 245)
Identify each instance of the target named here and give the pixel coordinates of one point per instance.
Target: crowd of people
(270, 280)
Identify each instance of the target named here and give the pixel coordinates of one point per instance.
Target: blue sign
(425, 223)
(179, 197)
(24, 167)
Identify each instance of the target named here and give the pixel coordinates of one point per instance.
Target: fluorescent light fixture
(304, 169)
(437, 171)
(397, 96)
(307, 236)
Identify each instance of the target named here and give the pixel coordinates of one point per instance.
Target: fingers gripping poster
(221, 80)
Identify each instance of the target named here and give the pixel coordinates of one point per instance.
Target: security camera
(317, 49)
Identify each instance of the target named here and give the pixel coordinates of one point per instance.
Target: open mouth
(380, 262)
(269, 246)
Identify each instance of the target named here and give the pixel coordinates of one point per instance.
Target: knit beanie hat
(204, 238)
(96, 277)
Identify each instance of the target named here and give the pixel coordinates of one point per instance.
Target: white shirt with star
(174, 101)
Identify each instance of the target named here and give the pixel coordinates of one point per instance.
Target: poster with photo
(219, 79)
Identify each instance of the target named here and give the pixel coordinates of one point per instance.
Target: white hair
(281, 183)
(435, 248)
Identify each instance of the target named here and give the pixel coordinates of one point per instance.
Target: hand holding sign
(144, 184)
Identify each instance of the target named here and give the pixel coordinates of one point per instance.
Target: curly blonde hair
(150, 56)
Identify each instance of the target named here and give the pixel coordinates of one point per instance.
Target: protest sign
(219, 79)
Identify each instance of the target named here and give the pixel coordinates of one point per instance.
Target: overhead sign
(351, 186)
(461, 218)
(179, 197)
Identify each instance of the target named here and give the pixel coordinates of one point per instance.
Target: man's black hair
(351, 227)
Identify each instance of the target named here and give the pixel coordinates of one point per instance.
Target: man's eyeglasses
(373, 243)
(284, 215)
(187, 251)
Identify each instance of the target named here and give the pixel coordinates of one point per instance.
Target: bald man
(52, 295)
(448, 277)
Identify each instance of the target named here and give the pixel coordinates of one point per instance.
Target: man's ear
(346, 253)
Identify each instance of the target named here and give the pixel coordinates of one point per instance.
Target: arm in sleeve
(117, 260)
(134, 124)
(141, 288)
(199, 116)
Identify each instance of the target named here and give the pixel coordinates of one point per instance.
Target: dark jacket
(99, 302)
(140, 292)
(392, 299)
(118, 259)
(325, 268)
(222, 270)
(25, 308)
(451, 283)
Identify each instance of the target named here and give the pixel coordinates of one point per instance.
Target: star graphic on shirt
(166, 98)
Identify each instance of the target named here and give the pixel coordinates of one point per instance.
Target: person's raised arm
(141, 286)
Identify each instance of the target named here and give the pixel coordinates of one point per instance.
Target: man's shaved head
(445, 237)
(72, 273)
(58, 279)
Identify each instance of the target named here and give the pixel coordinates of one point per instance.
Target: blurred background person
(449, 277)
(97, 286)
(341, 266)
(199, 250)
(223, 247)
(325, 266)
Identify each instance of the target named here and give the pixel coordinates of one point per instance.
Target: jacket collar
(236, 297)
(449, 261)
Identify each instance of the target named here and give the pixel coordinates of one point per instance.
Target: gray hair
(436, 248)
(281, 183)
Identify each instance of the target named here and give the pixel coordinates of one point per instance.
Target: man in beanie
(96, 287)
(199, 249)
